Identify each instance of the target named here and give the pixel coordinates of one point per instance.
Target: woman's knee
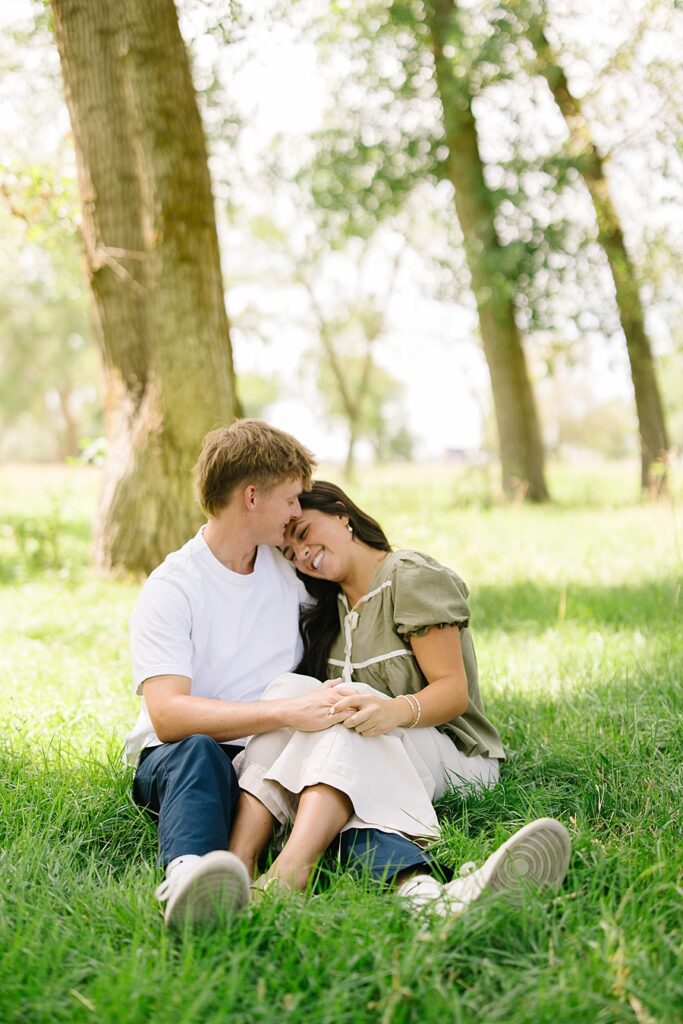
(289, 684)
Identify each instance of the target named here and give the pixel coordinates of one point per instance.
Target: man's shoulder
(276, 563)
(183, 562)
(175, 579)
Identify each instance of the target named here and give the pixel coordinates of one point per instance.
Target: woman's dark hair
(320, 623)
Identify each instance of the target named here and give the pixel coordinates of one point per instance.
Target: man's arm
(176, 714)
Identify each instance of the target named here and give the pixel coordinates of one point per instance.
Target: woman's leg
(252, 828)
(322, 813)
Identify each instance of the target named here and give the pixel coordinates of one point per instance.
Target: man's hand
(372, 715)
(315, 711)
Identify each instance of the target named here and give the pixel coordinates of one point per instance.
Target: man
(215, 623)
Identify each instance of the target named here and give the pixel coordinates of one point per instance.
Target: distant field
(577, 617)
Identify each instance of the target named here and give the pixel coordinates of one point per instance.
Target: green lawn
(577, 614)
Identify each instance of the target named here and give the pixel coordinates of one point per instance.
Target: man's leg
(385, 856)
(192, 789)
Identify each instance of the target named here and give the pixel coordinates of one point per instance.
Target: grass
(577, 619)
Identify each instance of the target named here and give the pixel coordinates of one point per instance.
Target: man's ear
(249, 496)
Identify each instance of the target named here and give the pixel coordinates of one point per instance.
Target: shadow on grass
(604, 761)
(532, 607)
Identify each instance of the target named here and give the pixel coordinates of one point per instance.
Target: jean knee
(200, 745)
(200, 756)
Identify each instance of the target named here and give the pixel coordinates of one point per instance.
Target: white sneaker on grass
(203, 891)
(421, 891)
(536, 857)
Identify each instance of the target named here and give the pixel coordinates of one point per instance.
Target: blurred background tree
(364, 157)
(49, 374)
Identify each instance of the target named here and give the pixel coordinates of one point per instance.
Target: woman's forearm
(441, 701)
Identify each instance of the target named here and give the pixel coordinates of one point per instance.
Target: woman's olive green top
(408, 594)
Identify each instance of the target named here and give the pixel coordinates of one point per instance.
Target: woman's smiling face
(319, 545)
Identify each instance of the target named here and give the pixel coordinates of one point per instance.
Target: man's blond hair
(248, 451)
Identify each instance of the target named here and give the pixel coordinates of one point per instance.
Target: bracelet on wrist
(414, 707)
(418, 713)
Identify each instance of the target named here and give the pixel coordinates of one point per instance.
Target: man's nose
(296, 511)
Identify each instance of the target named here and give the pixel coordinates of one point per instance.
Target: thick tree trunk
(521, 447)
(654, 442)
(152, 260)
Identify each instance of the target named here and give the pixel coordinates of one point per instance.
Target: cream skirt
(391, 780)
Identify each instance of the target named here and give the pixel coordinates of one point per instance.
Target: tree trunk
(67, 432)
(153, 265)
(350, 460)
(654, 442)
(521, 447)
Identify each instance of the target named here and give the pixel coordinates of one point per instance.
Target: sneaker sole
(535, 857)
(218, 887)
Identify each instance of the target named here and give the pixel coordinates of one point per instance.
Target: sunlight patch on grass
(576, 615)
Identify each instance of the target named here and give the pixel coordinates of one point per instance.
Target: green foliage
(607, 429)
(256, 392)
(379, 414)
(49, 373)
(576, 615)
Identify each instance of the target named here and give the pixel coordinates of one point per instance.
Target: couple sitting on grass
(341, 698)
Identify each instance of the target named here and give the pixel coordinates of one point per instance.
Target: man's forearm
(184, 714)
(181, 715)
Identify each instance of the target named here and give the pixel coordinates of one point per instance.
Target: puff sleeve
(427, 595)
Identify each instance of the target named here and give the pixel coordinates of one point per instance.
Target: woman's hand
(314, 711)
(373, 715)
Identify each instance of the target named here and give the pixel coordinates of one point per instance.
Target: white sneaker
(205, 891)
(421, 891)
(535, 857)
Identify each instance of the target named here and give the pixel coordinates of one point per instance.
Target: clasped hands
(370, 714)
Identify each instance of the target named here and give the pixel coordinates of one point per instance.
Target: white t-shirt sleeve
(160, 633)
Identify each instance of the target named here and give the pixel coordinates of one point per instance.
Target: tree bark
(654, 442)
(152, 260)
(521, 447)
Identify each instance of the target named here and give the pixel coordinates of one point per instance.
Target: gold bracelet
(411, 705)
(418, 713)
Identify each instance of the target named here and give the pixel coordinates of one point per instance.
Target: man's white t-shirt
(230, 633)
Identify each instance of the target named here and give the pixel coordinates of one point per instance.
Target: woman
(391, 630)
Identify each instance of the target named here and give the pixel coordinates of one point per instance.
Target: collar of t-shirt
(239, 579)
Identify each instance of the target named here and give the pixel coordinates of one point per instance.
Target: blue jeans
(191, 789)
